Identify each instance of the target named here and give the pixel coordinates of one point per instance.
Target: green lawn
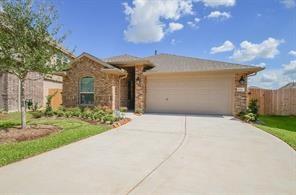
(73, 130)
(283, 127)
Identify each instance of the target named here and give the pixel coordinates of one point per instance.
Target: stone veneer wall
(140, 88)
(102, 85)
(240, 98)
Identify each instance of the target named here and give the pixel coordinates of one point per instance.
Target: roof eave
(241, 70)
(132, 63)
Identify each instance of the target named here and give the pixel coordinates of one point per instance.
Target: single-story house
(36, 86)
(161, 83)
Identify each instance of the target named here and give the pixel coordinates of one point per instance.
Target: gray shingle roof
(121, 58)
(173, 63)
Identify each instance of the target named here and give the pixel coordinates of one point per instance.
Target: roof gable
(93, 58)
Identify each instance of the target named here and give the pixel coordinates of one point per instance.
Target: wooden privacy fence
(275, 102)
(56, 101)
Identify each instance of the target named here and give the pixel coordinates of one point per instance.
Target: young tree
(29, 38)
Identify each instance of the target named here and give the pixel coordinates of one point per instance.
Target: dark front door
(131, 94)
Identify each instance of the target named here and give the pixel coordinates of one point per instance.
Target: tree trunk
(23, 104)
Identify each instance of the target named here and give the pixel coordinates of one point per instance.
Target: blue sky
(256, 32)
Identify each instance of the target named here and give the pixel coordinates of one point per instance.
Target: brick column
(240, 97)
(139, 89)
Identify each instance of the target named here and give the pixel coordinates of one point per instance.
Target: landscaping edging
(121, 122)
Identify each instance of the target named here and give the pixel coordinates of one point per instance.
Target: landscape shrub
(48, 110)
(36, 114)
(59, 113)
(250, 117)
(103, 115)
(123, 109)
(253, 107)
(251, 114)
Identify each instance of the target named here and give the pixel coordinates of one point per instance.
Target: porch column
(113, 98)
(140, 90)
(240, 93)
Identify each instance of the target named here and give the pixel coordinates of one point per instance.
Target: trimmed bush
(123, 109)
(36, 114)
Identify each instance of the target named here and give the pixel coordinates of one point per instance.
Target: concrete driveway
(162, 154)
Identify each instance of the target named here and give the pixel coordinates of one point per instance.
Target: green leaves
(29, 38)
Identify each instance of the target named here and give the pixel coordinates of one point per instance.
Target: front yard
(71, 130)
(283, 127)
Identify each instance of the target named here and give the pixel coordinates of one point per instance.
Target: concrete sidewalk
(162, 154)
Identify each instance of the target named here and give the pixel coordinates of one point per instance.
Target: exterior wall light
(242, 80)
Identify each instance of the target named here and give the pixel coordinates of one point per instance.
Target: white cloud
(146, 18)
(226, 46)
(173, 26)
(292, 53)
(215, 3)
(268, 78)
(289, 3)
(218, 14)
(290, 69)
(250, 51)
(194, 23)
(275, 78)
(272, 79)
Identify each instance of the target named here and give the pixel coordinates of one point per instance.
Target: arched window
(87, 91)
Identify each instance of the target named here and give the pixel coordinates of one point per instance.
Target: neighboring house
(36, 86)
(291, 85)
(160, 83)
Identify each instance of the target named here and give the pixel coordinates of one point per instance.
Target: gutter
(115, 71)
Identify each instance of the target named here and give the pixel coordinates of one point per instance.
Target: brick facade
(9, 91)
(140, 88)
(240, 98)
(103, 83)
(3, 90)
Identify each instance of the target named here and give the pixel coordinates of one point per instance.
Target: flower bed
(91, 115)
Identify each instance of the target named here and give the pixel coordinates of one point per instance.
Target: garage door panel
(189, 94)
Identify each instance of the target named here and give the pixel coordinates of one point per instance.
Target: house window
(87, 91)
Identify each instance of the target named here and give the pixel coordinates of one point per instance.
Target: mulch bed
(114, 125)
(16, 134)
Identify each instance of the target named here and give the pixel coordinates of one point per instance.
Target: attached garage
(190, 93)
(162, 83)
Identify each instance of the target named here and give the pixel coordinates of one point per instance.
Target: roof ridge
(125, 54)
